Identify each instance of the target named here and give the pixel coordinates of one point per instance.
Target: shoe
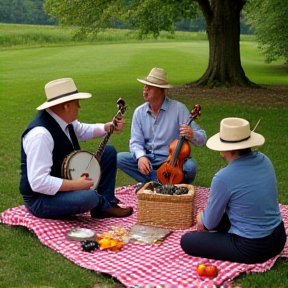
(117, 201)
(115, 211)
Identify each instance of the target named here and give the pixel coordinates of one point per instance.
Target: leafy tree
(197, 24)
(222, 19)
(23, 12)
(223, 31)
(271, 30)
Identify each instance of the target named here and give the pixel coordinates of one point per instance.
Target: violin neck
(189, 120)
(177, 151)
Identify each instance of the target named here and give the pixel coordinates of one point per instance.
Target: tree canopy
(222, 19)
(24, 12)
(148, 16)
(271, 30)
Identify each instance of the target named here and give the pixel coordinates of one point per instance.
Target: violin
(171, 171)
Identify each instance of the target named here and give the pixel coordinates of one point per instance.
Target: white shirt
(38, 145)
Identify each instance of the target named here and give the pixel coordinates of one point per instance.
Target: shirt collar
(59, 120)
(164, 105)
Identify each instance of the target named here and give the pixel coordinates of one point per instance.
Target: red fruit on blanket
(209, 271)
(201, 269)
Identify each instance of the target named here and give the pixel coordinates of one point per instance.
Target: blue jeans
(129, 164)
(78, 202)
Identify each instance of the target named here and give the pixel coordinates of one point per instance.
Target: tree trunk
(223, 31)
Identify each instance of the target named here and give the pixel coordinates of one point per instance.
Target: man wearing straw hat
(45, 144)
(242, 208)
(155, 125)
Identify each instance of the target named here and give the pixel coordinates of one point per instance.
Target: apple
(205, 270)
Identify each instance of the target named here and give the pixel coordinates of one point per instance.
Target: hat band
(236, 141)
(162, 82)
(63, 95)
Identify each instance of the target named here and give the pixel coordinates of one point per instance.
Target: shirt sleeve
(137, 142)
(85, 131)
(199, 138)
(217, 203)
(38, 145)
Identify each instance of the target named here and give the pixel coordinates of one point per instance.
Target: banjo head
(83, 163)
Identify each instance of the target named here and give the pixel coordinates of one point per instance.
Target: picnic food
(167, 189)
(201, 269)
(148, 234)
(111, 244)
(81, 234)
(211, 271)
(114, 239)
(89, 245)
(206, 270)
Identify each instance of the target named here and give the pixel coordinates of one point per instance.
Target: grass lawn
(109, 71)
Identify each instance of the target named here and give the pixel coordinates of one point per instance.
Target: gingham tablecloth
(135, 264)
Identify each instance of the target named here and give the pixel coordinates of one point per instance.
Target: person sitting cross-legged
(242, 221)
(155, 125)
(46, 143)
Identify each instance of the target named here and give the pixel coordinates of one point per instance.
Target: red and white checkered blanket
(135, 264)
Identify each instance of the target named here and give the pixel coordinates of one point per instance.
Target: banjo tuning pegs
(121, 106)
(120, 102)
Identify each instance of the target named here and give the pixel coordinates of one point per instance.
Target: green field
(108, 68)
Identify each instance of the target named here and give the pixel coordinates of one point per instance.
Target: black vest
(62, 147)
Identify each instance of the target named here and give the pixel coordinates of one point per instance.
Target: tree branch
(206, 9)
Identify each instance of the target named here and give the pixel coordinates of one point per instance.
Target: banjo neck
(121, 110)
(102, 145)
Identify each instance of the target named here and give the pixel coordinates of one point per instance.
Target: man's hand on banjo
(85, 182)
(117, 123)
(81, 183)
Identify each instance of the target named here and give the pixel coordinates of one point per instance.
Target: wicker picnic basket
(169, 211)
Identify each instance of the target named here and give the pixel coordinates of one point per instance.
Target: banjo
(81, 163)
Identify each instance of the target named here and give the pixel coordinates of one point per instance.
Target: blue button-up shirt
(150, 134)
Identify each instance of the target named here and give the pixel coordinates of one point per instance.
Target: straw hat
(235, 134)
(157, 78)
(60, 91)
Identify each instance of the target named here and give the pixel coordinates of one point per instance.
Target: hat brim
(215, 143)
(75, 96)
(167, 86)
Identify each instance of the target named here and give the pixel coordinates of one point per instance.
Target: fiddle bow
(171, 171)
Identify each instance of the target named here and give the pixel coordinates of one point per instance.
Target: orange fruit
(201, 269)
(117, 247)
(211, 271)
(104, 243)
(205, 270)
(112, 244)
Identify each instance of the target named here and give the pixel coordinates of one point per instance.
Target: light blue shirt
(246, 189)
(156, 134)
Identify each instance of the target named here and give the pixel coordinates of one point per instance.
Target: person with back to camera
(155, 125)
(45, 144)
(242, 209)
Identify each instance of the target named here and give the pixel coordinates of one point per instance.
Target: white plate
(81, 234)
